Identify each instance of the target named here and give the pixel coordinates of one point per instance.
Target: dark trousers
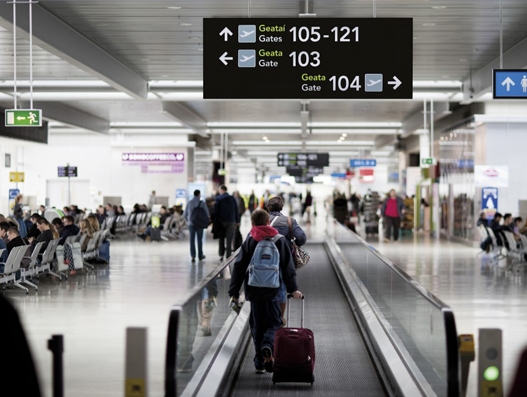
(195, 232)
(265, 319)
(230, 227)
(389, 223)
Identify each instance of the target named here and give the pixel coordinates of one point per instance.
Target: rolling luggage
(104, 251)
(294, 353)
(155, 234)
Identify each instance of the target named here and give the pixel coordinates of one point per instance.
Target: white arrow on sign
(508, 82)
(396, 82)
(224, 58)
(20, 118)
(226, 33)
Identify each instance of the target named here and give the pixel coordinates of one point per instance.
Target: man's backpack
(264, 268)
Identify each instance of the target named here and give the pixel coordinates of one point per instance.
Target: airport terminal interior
(392, 130)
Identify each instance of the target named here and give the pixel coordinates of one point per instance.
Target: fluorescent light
(347, 143)
(176, 83)
(254, 131)
(355, 124)
(373, 131)
(152, 131)
(146, 124)
(437, 84)
(221, 124)
(81, 96)
(380, 153)
(260, 143)
(57, 83)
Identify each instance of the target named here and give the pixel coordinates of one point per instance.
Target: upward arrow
(226, 33)
(508, 81)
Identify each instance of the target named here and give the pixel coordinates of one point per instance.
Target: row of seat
(516, 252)
(173, 226)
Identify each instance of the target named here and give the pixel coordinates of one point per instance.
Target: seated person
(69, 229)
(163, 215)
(4, 227)
(47, 233)
(482, 220)
(86, 229)
(94, 223)
(57, 223)
(14, 238)
(33, 229)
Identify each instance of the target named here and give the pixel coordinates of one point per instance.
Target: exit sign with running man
(23, 118)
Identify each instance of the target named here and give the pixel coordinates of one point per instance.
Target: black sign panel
(304, 58)
(297, 171)
(303, 159)
(70, 172)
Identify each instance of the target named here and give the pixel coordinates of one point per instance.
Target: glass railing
(421, 327)
(197, 325)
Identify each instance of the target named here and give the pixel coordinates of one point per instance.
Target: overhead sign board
(23, 118)
(68, 171)
(303, 159)
(16, 177)
(308, 58)
(510, 84)
(491, 175)
(355, 163)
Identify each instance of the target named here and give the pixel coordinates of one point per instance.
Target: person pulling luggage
(261, 255)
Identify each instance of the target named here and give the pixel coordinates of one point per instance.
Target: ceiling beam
(416, 120)
(481, 80)
(186, 116)
(71, 116)
(56, 36)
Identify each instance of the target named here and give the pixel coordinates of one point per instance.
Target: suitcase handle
(288, 311)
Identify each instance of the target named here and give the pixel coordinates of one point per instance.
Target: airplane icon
(246, 33)
(374, 82)
(246, 58)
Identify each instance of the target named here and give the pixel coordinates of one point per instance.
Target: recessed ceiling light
(429, 24)
(145, 59)
(185, 24)
(463, 60)
(344, 135)
(439, 7)
(200, 49)
(416, 38)
(195, 38)
(175, 8)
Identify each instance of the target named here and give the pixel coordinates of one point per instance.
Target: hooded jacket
(283, 228)
(240, 274)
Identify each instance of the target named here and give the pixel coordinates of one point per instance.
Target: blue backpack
(264, 268)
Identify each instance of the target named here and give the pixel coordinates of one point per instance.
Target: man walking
(265, 317)
(197, 216)
(226, 213)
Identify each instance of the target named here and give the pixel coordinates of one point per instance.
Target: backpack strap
(276, 238)
(274, 220)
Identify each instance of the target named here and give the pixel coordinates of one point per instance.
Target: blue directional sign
(510, 84)
(489, 201)
(181, 193)
(340, 175)
(363, 163)
(13, 193)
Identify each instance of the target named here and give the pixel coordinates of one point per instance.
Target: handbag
(300, 255)
(199, 217)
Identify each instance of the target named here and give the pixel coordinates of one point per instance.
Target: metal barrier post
(136, 363)
(56, 345)
(467, 353)
(490, 374)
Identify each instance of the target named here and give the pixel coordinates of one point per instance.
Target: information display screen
(308, 58)
(67, 171)
(303, 159)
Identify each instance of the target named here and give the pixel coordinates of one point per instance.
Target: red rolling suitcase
(294, 353)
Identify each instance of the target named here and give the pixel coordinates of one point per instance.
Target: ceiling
(160, 44)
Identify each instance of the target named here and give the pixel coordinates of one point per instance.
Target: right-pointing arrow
(224, 58)
(396, 82)
(508, 82)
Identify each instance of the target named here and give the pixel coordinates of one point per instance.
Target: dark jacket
(283, 228)
(400, 206)
(68, 231)
(340, 209)
(483, 222)
(20, 368)
(46, 236)
(240, 274)
(16, 242)
(33, 231)
(226, 209)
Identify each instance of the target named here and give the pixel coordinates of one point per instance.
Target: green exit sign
(23, 118)
(428, 161)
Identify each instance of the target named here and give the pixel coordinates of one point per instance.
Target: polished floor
(145, 279)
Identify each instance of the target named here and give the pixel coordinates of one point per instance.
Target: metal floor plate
(343, 366)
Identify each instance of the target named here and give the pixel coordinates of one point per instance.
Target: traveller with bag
(293, 233)
(197, 216)
(263, 262)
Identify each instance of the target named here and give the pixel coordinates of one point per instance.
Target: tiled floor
(145, 279)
